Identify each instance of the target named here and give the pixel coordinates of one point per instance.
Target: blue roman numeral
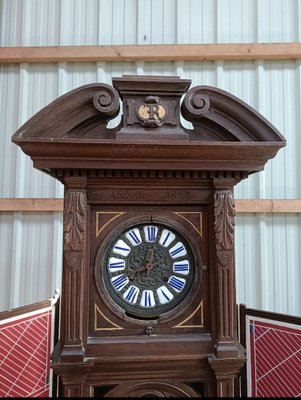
(177, 251)
(176, 283)
(134, 237)
(181, 267)
(151, 232)
(167, 237)
(121, 248)
(130, 295)
(118, 264)
(147, 299)
(165, 240)
(147, 302)
(165, 295)
(120, 281)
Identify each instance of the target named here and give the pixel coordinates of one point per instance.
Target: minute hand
(150, 264)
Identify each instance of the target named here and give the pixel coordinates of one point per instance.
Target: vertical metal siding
(268, 254)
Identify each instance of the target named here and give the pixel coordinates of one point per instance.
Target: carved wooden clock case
(148, 295)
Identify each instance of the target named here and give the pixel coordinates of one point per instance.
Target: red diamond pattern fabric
(25, 355)
(274, 364)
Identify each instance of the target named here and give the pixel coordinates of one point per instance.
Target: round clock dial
(148, 270)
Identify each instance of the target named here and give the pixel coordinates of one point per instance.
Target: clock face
(148, 270)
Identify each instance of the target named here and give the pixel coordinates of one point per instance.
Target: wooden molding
(31, 205)
(268, 206)
(169, 52)
(242, 206)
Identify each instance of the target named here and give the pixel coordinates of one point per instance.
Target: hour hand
(149, 266)
(150, 255)
(132, 272)
(143, 268)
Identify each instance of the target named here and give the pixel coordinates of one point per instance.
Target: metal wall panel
(92, 22)
(268, 255)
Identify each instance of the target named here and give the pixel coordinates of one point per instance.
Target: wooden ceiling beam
(242, 206)
(168, 52)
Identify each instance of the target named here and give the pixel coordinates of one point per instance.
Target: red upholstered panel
(25, 355)
(274, 358)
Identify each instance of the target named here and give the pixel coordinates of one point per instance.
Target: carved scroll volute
(75, 232)
(224, 226)
(195, 105)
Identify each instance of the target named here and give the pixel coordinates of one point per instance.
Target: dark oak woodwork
(149, 168)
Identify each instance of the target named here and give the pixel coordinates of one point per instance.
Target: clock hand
(140, 269)
(152, 254)
(133, 270)
(147, 267)
(150, 264)
(149, 261)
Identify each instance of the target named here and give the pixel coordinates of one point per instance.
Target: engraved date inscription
(178, 195)
(151, 195)
(126, 195)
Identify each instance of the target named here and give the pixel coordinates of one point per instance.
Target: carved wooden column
(224, 213)
(229, 354)
(74, 267)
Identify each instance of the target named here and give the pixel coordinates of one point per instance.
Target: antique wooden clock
(148, 296)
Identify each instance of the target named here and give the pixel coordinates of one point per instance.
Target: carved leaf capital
(224, 213)
(75, 219)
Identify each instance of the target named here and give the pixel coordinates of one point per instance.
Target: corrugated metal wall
(268, 251)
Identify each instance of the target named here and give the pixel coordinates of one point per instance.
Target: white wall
(268, 255)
